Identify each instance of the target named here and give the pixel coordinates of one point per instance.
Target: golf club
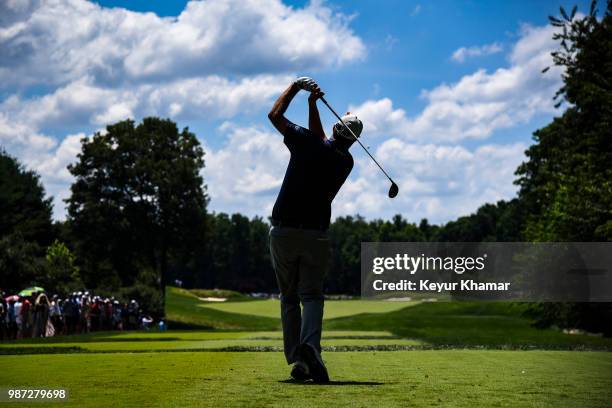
(394, 189)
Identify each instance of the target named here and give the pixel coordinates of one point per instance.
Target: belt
(300, 225)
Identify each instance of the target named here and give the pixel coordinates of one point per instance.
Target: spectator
(27, 313)
(55, 313)
(87, 317)
(11, 318)
(80, 312)
(125, 316)
(94, 314)
(146, 322)
(133, 315)
(3, 312)
(117, 320)
(19, 316)
(41, 316)
(71, 314)
(107, 315)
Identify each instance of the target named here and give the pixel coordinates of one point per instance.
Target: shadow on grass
(297, 382)
(468, 324)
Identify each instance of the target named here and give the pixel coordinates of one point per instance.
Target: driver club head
(393, 190)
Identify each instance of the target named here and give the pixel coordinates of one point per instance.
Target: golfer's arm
(277, 114)
(314, 120)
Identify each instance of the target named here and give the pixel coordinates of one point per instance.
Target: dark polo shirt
(316, 171)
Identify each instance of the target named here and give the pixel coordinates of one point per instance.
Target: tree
(215, 262)
(138, 201)
(21, 263)
(566, 183)
(24, 210)
(25, 224)
(345, 237)
(501, 222)
(62, 275)
(259, 262)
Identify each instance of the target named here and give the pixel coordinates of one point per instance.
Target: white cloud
(84, 103)
(53, 169)
(58, 40)
(438, 178)
(48, 158)
(438, 182)
(217, 59)
(221, 58)
(246, 173)
(53, 165)
(22, 136)
(479, 103)
(461, 54)
(535, 43)
(416, 10)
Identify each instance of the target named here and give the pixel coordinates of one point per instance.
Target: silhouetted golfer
(298, 239)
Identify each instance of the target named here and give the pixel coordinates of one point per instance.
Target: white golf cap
(353, 123)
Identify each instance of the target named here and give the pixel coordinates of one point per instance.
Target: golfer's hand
(315, 94)
(306, 83)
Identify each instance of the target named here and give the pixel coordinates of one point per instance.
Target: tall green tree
(25, 224)
(566, 183)
(62, 275)
(138, 202)
(24, 209)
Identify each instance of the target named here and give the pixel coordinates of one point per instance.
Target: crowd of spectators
(81, 312)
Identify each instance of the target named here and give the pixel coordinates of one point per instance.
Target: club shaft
(356, 138)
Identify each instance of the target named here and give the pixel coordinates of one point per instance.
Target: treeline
(491, 222)
(235, 254)
(112, 242)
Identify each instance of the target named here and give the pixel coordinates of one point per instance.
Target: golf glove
(306, 83)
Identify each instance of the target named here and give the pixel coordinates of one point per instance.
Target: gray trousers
(300, 259)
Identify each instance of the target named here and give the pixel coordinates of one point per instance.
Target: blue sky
(450, 91)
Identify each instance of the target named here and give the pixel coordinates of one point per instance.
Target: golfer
(299, 244)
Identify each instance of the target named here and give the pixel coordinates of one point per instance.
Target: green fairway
(487, 324)
(333, 308)
(379, 353)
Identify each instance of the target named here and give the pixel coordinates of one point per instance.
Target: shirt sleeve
(295, 136)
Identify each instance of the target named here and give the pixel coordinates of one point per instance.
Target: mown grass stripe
(345, 348)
